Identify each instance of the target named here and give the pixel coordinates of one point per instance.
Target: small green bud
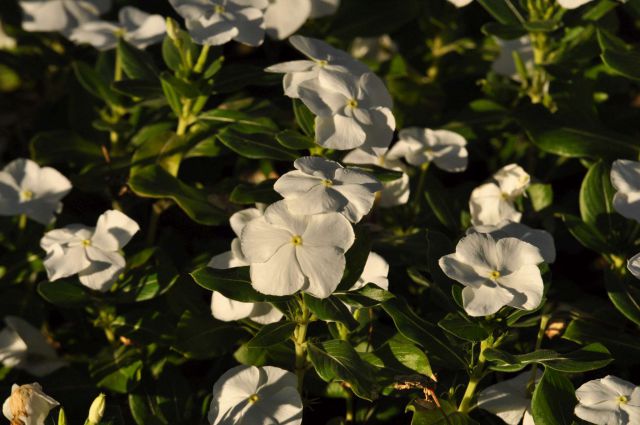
(96, 411)
(62, 417)
(173, 30)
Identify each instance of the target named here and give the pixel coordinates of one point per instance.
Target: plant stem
(202, 59)
(22, 222)
(350, 412)
(544, 320)
(300, 341)
(417, 198)
(476, 376)
(156, 211)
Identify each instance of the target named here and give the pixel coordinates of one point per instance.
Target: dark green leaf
(330, 309)
(356, 259)
(384, 175)
(624, 293)
(463, 327)
(136, 63)
(291, 139)
(553, 399)
(255, 145)
(505, 11)
(433, 416)
(65, 293)
(304, 118)
(271, 334)
(203, 337)
(262, 192)
(232, 283)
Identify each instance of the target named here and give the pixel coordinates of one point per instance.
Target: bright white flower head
(495, 273)
(25, 188)
(509, 400)
(625, 178)
(290, 253)
(256, 395)
(541, 239)
(60, 15)
(22, 346)
(504, 63)
(609, 401)
(573, 4)
(321, 8)
(446, 149)
(350, 111)
(460, 3)
(229, 310)
(28, 405)
(378, 49)
(493, 202)
(319, 185)
(135, 26)
(92, 253)
(376, 271)
(216, 22)
(320, 56)
(393, 193)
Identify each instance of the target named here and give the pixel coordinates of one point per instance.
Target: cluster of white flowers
(625, 178)
(79, 20)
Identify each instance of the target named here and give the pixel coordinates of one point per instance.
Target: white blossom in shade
(91, 253)
(248, 395)
(446, 149)
(22, 346)
(28, 405)
(395, 192)
(633, 265)
(505, 64)
(320, 56)
(541, 239)
(319, 185)
(376, 271)
(60, 15)
(608, 401)
(493, 202)
(460, 3)
(321, 8)
(625, 178)
(378, 49)
(509, 400)
(495, 273)
(573, 4)
(216, 22)
(284, 17)
(290, 253)
(134, 26)
(26, 188)
(350, 111)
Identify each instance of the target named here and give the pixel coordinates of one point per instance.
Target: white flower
(135, 26)
(25, 188)
(23, 347)
(320, 8)
(609, 401)
(495, 274)
(90, 252)
(633, 265)
(216, 22)
(444, 148)
(319, 185)
(378, 49)
(509, 400)
(229, 310)
(460, 3)
(504, 63)
(290, 253)
(376, 271)
(493, 202)
(60, 15)
(541, 239)
(249, 395)
(321, 56)
(350, 111)
(573, 4)
(284, 17)
(393, 193)
(28, 405)
(625, 178)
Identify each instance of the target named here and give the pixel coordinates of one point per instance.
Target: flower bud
(27, 404)
(62, 418)
(173, 30)
(96, 411)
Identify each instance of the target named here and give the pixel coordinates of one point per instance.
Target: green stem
(156, 211)
(22, 222)
(474, 380)
(202, 59)
(350, 411)
(544, 320)
(417, 197)
(300, 342)
(117, 73)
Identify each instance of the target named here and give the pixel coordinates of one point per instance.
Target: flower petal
(240, 219)
(113, 231)
(484, 300)
(323, 266)
(526, 286)
(280, 275)
(284, 17)
(61, 262)
(250, 24)
(260, 240)
(330, 229)
(339, 132)
(228, 310)
(514, 253)
(461, 272)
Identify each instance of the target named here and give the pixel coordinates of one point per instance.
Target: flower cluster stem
(418, 196)
(476, 375)
(300, 342)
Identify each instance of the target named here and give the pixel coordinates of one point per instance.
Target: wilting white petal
(508, 399)
(28, 405)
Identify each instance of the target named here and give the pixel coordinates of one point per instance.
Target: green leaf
(61, 146)
(262, 192)
(540, 195)
(171, 54)
(291, 139)
(624, 293)
(553, 399)
(463, 328)
(234, 77)
(67, 293)
(255, 145)
(330, 309)
(154, 182)
(119, 371)
(93, 82)
(272, 334)
(368, 296)
(410, 355)
(139, 89)
(237, 117)
(232, 283)
(337, 360)
(203, 337)
(589, 236)
(136, 63)
(304, 118)
(439, 201)
(618, 56)
(505, 11)
(596, 198)
(165, 149)
(502, 31)
(433, 416)
(624, 346)
(172, 96)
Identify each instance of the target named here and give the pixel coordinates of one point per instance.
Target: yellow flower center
(218, 8)
(322, 63)
(296, 240)
(327, 182)
(352, 103)
(26, 195)
(253, 398)
(494, 275)
(86, 242)
(622, 399)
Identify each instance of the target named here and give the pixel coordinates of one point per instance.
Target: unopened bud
(96, 411)
(62, 418)
(173, 30)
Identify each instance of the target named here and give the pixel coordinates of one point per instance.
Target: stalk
(474, 380)
(300, 342)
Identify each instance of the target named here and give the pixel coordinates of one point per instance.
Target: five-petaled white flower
(495, 273)
(28, 405)
(609, 401)
(255, 395)
(505, 64)
(319, 185)
(224, 308)
(376, 271)
(216, 22)
(510, 400)
(135, 26)
(60, 15)
(493, 202)
(321, 56)
(90, 252)
(541, 239)
(290, 253)
(395, 192)
(25, 188)
(444, 148)
(22, 346)
(350, 111)
(625, 178)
